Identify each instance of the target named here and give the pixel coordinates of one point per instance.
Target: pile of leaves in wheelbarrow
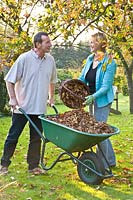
(82, 121)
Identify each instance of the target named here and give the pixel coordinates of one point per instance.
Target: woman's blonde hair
(101, 38)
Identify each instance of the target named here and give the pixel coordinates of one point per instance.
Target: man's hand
(50, 102)
(51, 94)
(12, 96)
(13, 103)
(89, 100)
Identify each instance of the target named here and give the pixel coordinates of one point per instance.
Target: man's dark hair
(38, 37)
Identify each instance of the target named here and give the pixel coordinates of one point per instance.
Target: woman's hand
(89, 100)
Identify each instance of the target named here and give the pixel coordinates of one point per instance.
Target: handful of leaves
(73, 93)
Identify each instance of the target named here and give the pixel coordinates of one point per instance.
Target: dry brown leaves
(82, 121)
(73, 93)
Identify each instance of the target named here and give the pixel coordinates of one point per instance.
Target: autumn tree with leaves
(16, 23)
(69, 19)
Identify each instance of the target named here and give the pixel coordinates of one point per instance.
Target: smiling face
(98, 42)
(94, 45)
(45, 44)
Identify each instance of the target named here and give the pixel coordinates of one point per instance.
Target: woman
(98, 74)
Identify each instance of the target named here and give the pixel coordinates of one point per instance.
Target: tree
(118, 25)
(16, 20)
(70, 56)
(73, 17)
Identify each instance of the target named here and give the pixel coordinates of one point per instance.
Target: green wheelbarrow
(77, 146)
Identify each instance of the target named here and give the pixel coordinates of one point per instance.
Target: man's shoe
(37, 171)
(3, 170)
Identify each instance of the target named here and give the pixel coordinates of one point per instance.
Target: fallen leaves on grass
(116, 180)
(124, 177)
(121, 161)
(7, 185)
(55, 188)
(118, 150)
(128, 169)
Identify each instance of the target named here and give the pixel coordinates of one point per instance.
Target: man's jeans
(18, 123)
(101, 114)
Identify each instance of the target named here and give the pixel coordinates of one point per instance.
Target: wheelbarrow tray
(69, 139)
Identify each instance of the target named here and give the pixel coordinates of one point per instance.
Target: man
(30, 83)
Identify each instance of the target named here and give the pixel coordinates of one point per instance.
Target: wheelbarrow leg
(43, 151)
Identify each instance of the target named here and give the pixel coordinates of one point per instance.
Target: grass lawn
(62, 182)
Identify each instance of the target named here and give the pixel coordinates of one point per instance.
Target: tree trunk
(131, 100)
(3, 92)
(129, 75)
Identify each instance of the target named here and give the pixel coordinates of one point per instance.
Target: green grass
(62, 182)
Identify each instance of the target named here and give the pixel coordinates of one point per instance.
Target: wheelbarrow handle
(32, 123)
(55, 109)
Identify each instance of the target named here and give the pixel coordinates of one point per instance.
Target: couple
(31, 81)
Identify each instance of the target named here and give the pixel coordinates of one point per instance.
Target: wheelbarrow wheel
(91, 160)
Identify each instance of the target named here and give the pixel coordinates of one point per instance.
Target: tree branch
(25, 22)
(96, 19)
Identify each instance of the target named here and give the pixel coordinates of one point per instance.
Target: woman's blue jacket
(106, 70)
